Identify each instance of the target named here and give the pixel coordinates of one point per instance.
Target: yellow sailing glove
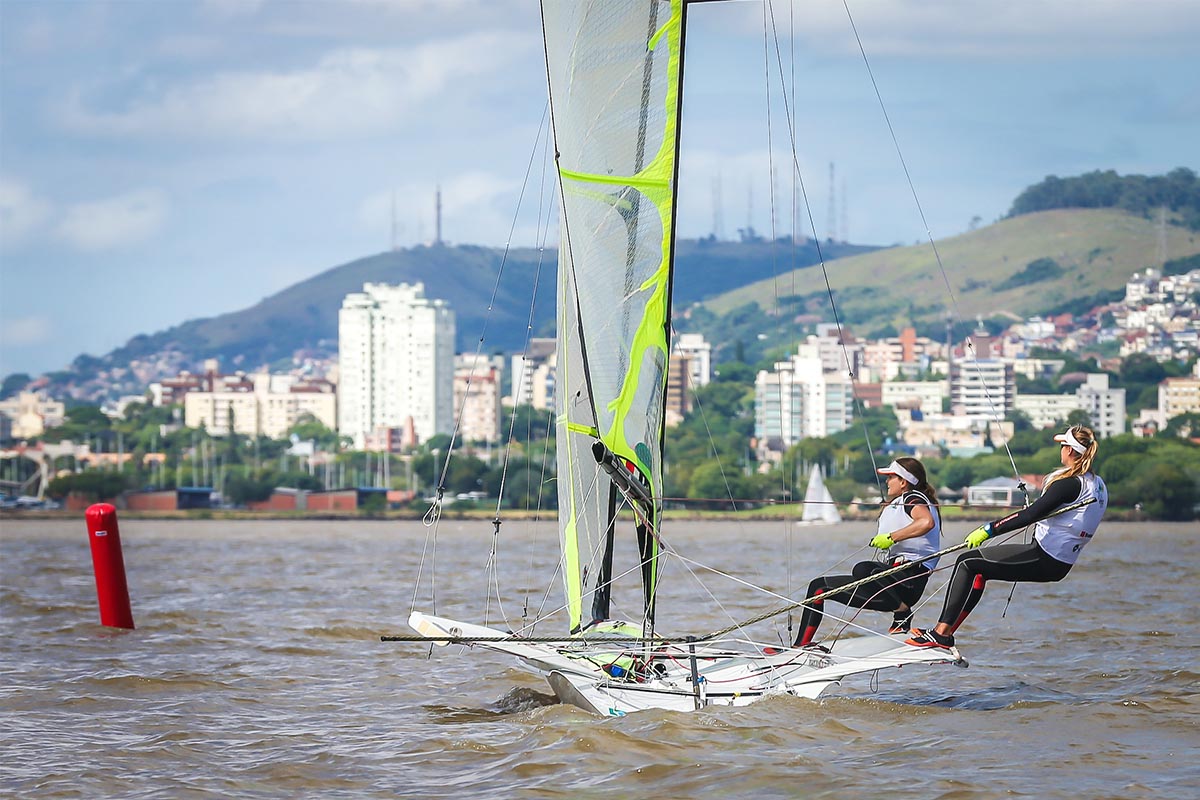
(882, 540)
(979, 535)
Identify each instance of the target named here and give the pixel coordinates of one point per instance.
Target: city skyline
(255, 144)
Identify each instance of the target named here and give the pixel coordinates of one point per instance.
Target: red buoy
(112, 593)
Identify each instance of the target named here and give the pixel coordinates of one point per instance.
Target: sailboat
(819, 508)
(615, 70)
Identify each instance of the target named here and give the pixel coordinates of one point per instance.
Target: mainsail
(614, 69)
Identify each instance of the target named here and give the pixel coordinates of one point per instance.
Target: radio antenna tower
(717, 231)
(437, 236)
(831, 235)
(845, 214)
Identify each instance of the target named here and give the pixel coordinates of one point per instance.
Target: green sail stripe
(671, 25)
(655, 182)
(643, 180)
(570, 542)
(630, 432)
(586, 430)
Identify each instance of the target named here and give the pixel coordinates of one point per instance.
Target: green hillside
(722, 289)
(1093, 251)
(304, 316)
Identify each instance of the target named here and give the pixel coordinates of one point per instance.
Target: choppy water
(256, 671)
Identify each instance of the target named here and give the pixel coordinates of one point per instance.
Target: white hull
(663, 676)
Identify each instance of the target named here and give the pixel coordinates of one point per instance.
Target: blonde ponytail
(1083, 463)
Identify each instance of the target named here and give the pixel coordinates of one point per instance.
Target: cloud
(347, 92)
(984, 28)
(225, 9)
(26, 331)
(20, 211)
(114, 222)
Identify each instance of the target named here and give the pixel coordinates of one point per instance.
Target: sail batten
(614, 70)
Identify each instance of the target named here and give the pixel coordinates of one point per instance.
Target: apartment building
(798, 399)
(260, 405)
(982, 387)
(533, 375)
(29, 414)
(477, 397)
(396, 361)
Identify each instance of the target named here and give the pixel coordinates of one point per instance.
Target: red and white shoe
(920, 638)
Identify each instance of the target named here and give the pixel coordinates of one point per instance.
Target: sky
(165, 161)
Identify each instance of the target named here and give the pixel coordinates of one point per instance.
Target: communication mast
(845, 214)
(437, 236)
(717, 224)
(831, 229)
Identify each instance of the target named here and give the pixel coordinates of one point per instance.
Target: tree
(734, 372)
(1079, 417)
(1164, 490)
(309, 428)
(14, 383)
(719, 484)
(93, 484)
(957, 474)
(526, 423)
(466, 474)
(1182, 426)
(242, 488)
(1140, 369)
(1020, 421)
(526, 485)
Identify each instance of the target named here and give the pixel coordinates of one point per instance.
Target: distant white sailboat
(819, 507)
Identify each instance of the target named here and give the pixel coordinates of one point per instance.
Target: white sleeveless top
(1064, 535)
(894, 517)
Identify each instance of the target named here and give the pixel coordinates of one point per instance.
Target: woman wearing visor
(909, 531)
(1059, 536)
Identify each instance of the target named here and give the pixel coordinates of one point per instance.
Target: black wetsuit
(883, 594)
(900, 589)
(1008, 562)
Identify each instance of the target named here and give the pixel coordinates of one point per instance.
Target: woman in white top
(1059, 536)
(909, 531)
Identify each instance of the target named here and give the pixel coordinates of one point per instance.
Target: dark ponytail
(918, 470)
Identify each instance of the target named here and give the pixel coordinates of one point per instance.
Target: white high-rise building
(533, 375)
(986, 387)
(698, 352)
(396, 362)
(799, 400)
(1104, 406)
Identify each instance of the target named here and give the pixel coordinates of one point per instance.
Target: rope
(855, 584)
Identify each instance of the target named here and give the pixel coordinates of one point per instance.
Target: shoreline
(768, 514)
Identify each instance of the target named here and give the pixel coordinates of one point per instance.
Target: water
(256, 671)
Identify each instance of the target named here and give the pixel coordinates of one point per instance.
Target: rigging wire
(928, 233)
(433, 514)
(798, 175)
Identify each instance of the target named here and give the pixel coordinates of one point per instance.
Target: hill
(745, 296)
(1036, 263)
(303, 317)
